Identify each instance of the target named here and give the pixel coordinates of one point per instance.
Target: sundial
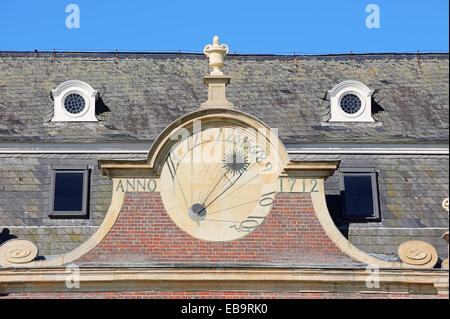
(219, 184)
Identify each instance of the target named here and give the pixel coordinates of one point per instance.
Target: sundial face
(219, 184)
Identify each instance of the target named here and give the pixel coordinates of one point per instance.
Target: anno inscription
(149, 185)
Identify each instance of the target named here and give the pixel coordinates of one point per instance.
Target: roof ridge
(63, 53)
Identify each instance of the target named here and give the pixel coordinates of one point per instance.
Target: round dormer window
(350, 103)
(74, 103)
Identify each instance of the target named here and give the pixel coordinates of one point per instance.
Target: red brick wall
(144, 233)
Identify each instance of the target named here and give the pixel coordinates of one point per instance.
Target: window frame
(83, 213)
(373, 173)
(361, 100)
(83, 111)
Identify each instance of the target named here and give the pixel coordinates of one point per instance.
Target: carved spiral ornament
(418, 254)
(17, 251)
(445, 204)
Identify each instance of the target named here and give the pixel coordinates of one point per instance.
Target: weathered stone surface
(142, 93)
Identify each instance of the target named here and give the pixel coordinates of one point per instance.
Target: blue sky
(277, 26)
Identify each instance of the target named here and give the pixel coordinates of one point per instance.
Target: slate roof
(141, 93)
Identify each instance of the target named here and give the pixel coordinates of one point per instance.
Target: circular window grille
(74, 103)
(350, 103)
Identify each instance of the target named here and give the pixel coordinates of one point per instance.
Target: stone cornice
(321, 169)
(410, 281)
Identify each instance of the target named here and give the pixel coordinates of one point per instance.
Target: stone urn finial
(216, 53)
(216, 80)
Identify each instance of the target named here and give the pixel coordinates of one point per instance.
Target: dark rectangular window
(359, 194)
(69, 192)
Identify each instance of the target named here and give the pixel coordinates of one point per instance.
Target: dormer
(74, 101)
